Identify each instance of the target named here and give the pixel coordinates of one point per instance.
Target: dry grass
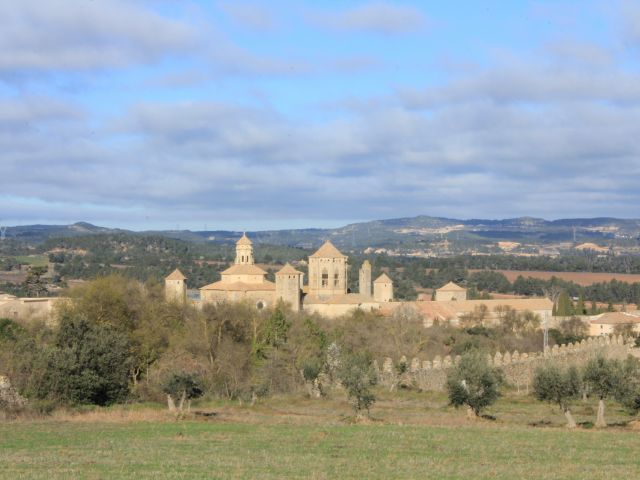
(411, 435)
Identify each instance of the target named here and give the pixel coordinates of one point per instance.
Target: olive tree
(183, 386)
(603, 378)
(358, 376)
(474, 383)
(553, 385)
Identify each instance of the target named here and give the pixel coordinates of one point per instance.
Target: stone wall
(518, 368)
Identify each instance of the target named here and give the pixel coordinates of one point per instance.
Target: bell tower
(244, 251)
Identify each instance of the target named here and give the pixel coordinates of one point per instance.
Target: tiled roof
(384, 278)
(244, 269)
(244, 240)
(616, 318)
(240, 286)
(451, 287)
(175, 275)
(327, 250)
(288, 270)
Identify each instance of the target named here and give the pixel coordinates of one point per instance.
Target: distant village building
(28, 309)
(326, 292)
(450, 292)
(609, 322)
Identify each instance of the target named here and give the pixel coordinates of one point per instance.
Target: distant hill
(411, 232)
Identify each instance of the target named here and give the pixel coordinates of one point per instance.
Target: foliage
(560, 386)
(473, 382)
(34, 284)
(603, 378)
(182, 385)
(87, 363)
(358, 376)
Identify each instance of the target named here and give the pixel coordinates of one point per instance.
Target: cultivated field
(412, 436)
(581, 278)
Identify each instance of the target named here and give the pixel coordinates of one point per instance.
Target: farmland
(580, 278)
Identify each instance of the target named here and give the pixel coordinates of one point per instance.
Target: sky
(290, 114)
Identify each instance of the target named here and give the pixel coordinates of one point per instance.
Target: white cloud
(83, 35)
(250, 15)
(377, 17)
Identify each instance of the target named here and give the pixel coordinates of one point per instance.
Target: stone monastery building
(326, 292)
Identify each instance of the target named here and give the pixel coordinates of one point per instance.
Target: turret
(364, 283)
(175, 287)
(383, 289)
(244, 251)
(288, 282)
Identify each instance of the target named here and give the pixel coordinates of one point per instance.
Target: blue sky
(282, 114)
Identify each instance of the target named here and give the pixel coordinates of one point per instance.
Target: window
(336, 279)
(325, 278)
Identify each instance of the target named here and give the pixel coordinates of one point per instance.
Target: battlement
(519, 368)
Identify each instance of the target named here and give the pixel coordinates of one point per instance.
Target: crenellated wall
(518, 368)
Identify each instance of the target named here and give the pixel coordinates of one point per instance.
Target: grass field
(411, 436)
(34, 260)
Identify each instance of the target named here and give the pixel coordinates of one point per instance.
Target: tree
(357, 376)
(87, 364)
(474, 383)
(183, 386)
(603, 378)
(564, 306)
(573, 330)
(553, 385)
(33, 284)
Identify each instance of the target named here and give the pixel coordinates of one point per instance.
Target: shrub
(87, 363)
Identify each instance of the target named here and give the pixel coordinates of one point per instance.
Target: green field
(313, 439)
(34, 260)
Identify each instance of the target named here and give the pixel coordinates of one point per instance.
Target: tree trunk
(170, 403)
(471, 415)
(182, 399)
(571, 423)
(600, 423)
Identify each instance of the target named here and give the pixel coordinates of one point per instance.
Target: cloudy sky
(286, 114)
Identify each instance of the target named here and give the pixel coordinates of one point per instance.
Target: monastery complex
(326, 292)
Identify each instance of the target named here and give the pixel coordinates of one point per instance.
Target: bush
(87, 363)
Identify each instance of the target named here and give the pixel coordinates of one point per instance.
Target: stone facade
(289, 286)
(364, 279)
(383, 289)
(327, 272)
(450, 292)
(175, 287)
(29, 309)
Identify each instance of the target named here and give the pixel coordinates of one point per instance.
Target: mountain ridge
(391, 232)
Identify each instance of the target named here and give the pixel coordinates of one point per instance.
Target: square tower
(327, 272)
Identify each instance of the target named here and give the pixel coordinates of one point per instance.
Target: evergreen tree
(564, 306)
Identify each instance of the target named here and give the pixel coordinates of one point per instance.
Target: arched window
(325, 278)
